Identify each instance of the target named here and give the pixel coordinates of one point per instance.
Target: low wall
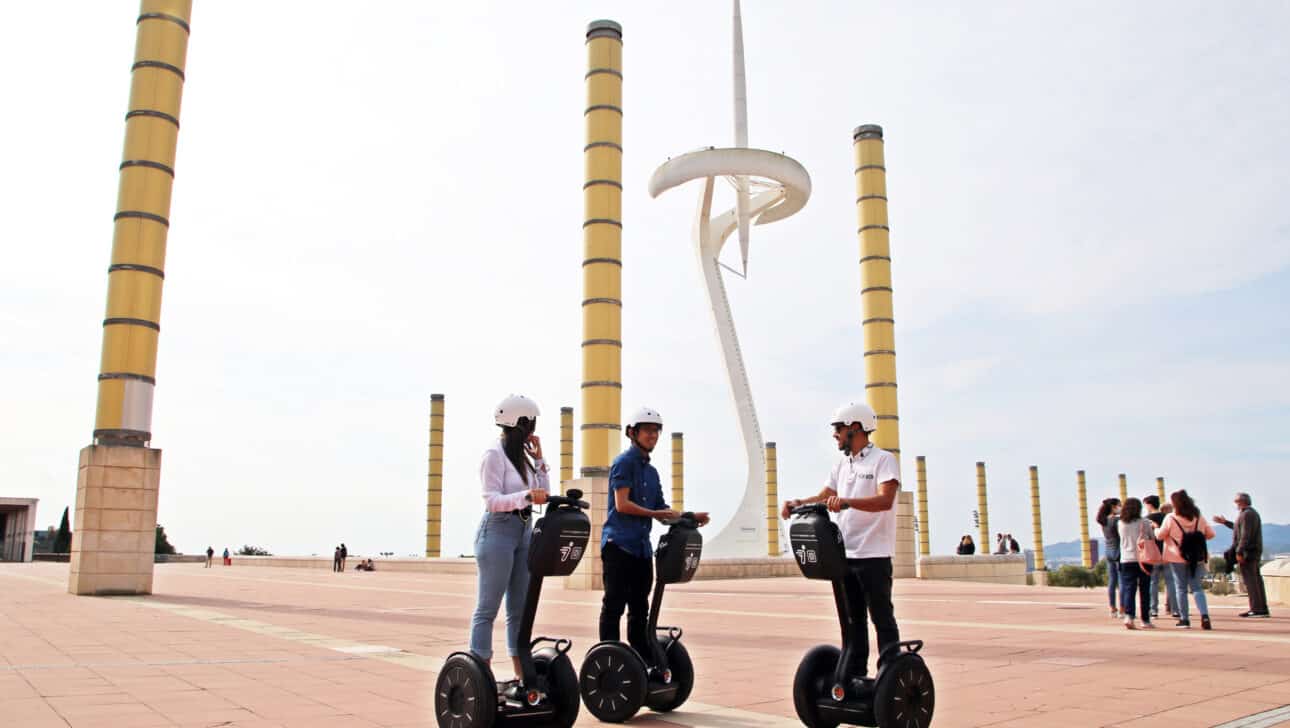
(708, 569)
(1276, 577)
(988, 568)
(157, 559)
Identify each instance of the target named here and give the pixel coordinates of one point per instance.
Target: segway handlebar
(809, 508)
(572, 499)
(686, 519)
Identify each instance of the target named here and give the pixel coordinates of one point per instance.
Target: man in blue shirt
(635, 497)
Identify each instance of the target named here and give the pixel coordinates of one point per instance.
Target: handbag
(1148, 551)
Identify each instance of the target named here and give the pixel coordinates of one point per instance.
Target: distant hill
(1276, 540)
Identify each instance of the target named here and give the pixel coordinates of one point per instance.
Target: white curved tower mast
(768, 187)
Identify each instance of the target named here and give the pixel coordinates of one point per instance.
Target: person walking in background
(967, 546)
(335, 560)
(1108, 518)
(210, 555)
(344, 554)
(1135, 573)
(1247, 539)
(1184, 533)
(228, 561)
(1164, 573)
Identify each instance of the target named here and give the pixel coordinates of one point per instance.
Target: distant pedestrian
(1247, 538)
(1108, 518)
(1184, 533)
(1135, 573)
(1013, 546)
(1000, 545)
(335, 560)
(344, 554)
(228, 559)
(1165, 573)
(967, 546)
(210, 554)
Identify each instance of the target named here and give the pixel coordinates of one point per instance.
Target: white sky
(1088, 218)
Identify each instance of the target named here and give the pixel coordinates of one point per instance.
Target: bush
(1071, 575)
(1099, 572)
(253, 551)
(1218, 565)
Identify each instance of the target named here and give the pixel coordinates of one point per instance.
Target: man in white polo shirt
(866, 479)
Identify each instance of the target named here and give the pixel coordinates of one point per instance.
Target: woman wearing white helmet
(864, 481)
(514, 478)
(635, 498)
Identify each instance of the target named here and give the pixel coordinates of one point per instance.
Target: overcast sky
(1089, 229)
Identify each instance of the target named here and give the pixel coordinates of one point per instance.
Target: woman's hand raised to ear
(533, 446)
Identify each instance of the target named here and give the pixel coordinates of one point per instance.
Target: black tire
(465, 695)
(906, 696)
(678, 661)
(612, 682)
(813, 679)
(561, 686)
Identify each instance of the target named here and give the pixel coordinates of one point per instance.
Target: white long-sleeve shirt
(503, 488)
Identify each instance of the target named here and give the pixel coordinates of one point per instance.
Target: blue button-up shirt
(631, 469)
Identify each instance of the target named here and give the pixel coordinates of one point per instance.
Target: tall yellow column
(986, 546)
(772, 500)
(1160, 490)
(566, 446)
(924, 535)
(119, 476)
(602, 249)
(127, 372)
(678, 471)
(1036, 521)
(1086, 552)
(1124, 488)
(877, 322)
(434, 487)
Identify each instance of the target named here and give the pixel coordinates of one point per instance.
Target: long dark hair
(513, 439)
(1105, 511)
(1131, 511)
(1184, 506)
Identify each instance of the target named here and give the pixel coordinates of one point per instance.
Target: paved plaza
(235, 646)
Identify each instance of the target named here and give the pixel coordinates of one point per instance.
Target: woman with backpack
(1107, 518)
(1135, 572)
(1184, 533)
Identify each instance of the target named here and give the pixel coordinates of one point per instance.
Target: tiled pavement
(232, 646)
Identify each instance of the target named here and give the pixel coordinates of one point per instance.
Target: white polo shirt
(866, 534)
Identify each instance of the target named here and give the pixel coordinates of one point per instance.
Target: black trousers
(628, 581)
(868, 588)
(1254, 582)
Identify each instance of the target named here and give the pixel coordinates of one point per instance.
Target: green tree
(163, 544)
(253, 551)
(63, 540)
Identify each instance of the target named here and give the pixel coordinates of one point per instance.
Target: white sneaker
(1128, 623)
(1148, 625)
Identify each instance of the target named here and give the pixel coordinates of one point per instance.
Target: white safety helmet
(644, 416)
(508, 412)
(856, 412)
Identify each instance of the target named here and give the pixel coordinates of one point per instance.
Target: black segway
(615, 679)
(825, 693)
(467, 696)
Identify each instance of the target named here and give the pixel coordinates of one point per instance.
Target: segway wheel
(812, 682)
(612, 682)
(678, 661)
(905, 696)
(561, 686)
(465, 695)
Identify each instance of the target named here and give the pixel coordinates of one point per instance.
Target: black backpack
(1193, 548)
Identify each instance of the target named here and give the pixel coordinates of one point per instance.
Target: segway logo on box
(691, 562)
(805, 555)
(571, 551)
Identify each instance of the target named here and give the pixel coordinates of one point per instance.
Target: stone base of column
(904, 563)
(114, 534)
(590, 572)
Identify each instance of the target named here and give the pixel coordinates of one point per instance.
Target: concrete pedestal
(114, 531)
(590, 572)
(904, 561)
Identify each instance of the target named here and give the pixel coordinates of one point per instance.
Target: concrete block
(121, 520)
(114, 477)
(124, 498)
(124, 457)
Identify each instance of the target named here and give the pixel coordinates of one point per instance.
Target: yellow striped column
(566, 446)
(602, 264)
(678, 471)
(434, 489)
(1124, 488)
(1160, 490)
(983, 510)
(1036, 521)
(127, 372)
(1086, 552)
(772, 501)
(924, 536)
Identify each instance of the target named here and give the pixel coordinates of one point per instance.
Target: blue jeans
(502, 555)
(1134, 580)
(1181, 581)
(1113, 582)
(1162, 572)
